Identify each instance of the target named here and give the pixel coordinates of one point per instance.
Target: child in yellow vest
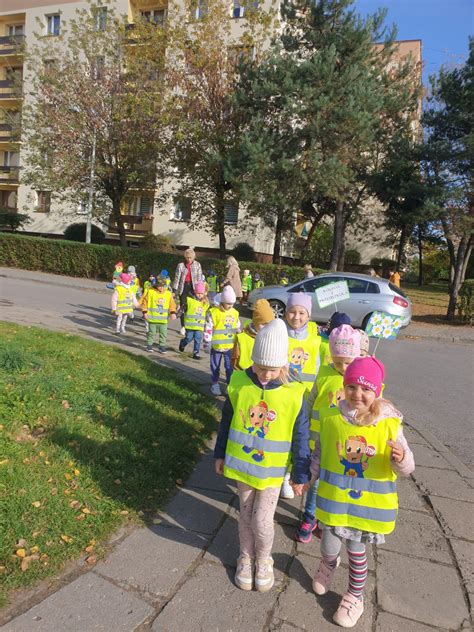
(158, 306)
(246, 285)
(337, 319)
(357, 458)
(344, 345)
(303, 353)
(222, 326)
(242, 351)
(264, 420)
(123, 302)
(135, 285)
(195, 318)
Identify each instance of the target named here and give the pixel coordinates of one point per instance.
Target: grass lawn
(90, 437)
(430, 302)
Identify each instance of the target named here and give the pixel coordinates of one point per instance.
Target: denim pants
(216, 358)
(193, 334)
(310, 505)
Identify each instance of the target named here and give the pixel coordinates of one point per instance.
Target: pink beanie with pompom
(344, 342)
(368, 372)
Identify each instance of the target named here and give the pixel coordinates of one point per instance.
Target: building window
(238, 10)
(97, 67)
(44, 201)
(146, 206)
(231, 213)
(200, 9)
(53, 24)
(11, 158)
(182, 209)
(158, 16)
(100, 18)
(16, 29)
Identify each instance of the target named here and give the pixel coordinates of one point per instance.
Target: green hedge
(466, 302)
(97, 262)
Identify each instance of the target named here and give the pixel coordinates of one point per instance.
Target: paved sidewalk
(176, 573)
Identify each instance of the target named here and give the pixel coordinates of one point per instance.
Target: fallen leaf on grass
(76, 472)
(20, 553)
(75, 504)
(117, 481)
(20, 543)
(4, 461)
(34, 549)
(124, 513)
(25, 562)
(65, 403)
(36, 503)
(89, 548)
(67, 476)
(80, 517)
(86, 510)
(66, 538)
(35, 534)
(91, 559)
(3, 570)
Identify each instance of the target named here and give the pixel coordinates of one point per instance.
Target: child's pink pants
(256, 527)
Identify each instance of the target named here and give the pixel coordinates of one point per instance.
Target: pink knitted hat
(200, 288)
(368, 372)
(125, 278)
(344, 342)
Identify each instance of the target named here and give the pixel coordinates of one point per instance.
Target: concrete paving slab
(90, 604)
(288, 511)
(300, 607)
(464, 552)
(412, 436)
(446, 483)
(204, 477)
(419, 535)
(420, 590)
(456, 517)
(209, 601)
(409, 496)
(390, 623)
(313, 549)
(153, 560)
(427, 457)
(198, 510)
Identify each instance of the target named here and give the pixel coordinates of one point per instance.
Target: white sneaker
(264, 578)
(286, 489)
(244, 573)
(182, 331)
(216, 389)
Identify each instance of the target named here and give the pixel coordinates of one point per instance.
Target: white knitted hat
(271, 345)
(228, 295)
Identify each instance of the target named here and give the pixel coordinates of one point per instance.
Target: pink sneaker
(323, 578)
(349, 612)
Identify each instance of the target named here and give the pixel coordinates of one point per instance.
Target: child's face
(297, 317)
(266, 374)
(359, 398)
(341, 363)
(199, 296)
(226, 306)
(161, 288)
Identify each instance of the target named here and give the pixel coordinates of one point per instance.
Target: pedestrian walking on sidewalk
(264, 421)
(195, 318)
(158, 306)
(185, 278)
(357, 458)
(123, 302)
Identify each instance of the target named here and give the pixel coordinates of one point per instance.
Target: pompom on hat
(271, 345)
(262, 312)
(200, 288)
(301, 299)
(125, 278)
(368, 372)
(131, 270)
(344, 342)
(228, 295)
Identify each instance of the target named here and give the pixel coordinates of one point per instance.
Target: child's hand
(145, 315)
(397, 451)
(298, 488)
(219, 466)
(172, 316)
(113, 312)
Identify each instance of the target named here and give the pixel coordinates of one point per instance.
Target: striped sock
(357, 572)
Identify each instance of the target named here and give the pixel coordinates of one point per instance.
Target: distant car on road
(367, 294)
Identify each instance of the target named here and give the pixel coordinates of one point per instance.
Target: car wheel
(278, 308)
(365, 321)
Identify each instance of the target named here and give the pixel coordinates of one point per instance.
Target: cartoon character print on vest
(352, 458)
(160, 304)
(257, 422)
(229, 324)
(297, 358)
(335, 398)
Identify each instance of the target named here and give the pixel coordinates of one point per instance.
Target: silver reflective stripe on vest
(359, 484)
(225, 331)
(194, 320)
(259, 471)
(307, 377)
(154, 311)
(313, 435)
(357, 511)
(265, 445)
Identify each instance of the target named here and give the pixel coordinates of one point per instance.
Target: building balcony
(8, 134)
(135, 225)
(11, 45)
(9, 175)
(9, 91)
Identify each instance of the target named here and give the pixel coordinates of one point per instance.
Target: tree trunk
(464, 250)
(466, 260)
(117, 215)
(280, 224)
(420, 256)
(338, 236)
(401, 246)
(219, 224)
(307, 209)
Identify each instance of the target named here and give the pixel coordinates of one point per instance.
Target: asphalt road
(428, 380)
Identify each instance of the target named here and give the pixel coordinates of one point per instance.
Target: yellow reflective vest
(195, 315)
(158, 306)
(225, 325)
(125, 300)
(212, 283)
(324, 351)
(246, 343)
(330, 391)
(303, 357)
(261, 431)
(135, 285)
(357, 486)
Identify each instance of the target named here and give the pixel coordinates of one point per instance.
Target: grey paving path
(176, 573)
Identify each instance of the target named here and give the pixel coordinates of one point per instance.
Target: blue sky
(443, 26)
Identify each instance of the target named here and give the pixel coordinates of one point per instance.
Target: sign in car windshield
(332, 293)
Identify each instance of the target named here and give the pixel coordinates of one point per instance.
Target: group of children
(304, 413)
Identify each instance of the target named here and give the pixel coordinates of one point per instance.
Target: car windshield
(397, 290)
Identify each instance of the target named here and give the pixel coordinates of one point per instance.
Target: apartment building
(19, 20)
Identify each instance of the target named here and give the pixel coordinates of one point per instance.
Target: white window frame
(38, 207)
(100, 18)
(156, 16)
(201, 9)
(177, 212)
(50, 24)
(228, 206)
(237, 10)
(12, 29)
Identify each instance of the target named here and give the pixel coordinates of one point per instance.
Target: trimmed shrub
(244, 252)
(352, 256)
(97, 262)
(77, 232)
(11, 220)
(158, 243)
(466, 302)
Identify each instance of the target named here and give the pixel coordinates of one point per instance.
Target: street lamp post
(91, 191)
